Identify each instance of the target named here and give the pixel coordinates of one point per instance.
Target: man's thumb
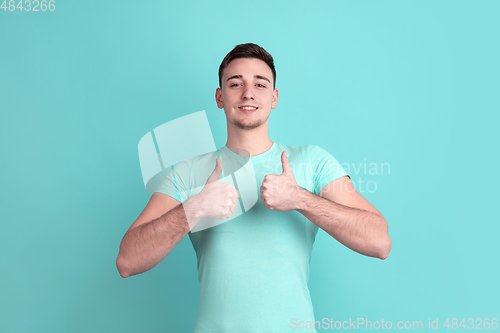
(285, 163)
(217, 171)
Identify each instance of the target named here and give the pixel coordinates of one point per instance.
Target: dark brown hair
(248, 50)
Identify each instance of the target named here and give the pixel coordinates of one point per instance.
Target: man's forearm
(362, 231)
(144, 247)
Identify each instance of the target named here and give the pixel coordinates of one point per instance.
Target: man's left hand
(281, 192)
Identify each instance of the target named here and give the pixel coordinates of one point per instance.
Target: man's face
(247, 93)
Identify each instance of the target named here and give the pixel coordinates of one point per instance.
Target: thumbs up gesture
(280, 192)
(216, 200)
(216, 173)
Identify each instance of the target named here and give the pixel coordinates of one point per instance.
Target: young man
(253, 270)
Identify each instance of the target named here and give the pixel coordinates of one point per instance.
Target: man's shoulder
(191, 166)
(304, 149)
(195, 160)
(310, 153)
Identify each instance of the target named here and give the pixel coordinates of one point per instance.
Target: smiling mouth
(248, 108)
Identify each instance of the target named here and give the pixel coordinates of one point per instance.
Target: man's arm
(339, 210)
(158, 229)
(348, 217)
(165, 221)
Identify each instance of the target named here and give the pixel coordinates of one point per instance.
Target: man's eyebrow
(234, 77)
(255, 76)
(262, 78)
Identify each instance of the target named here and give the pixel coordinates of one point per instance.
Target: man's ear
(218, 98)
(275, 99)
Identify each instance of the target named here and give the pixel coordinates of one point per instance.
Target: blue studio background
(409, 84)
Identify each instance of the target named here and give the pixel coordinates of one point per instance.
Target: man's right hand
(217, 200)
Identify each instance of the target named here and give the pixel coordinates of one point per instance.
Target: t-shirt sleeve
(170, 185)
(325, 168)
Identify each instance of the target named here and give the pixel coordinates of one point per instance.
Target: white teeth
(247, 108)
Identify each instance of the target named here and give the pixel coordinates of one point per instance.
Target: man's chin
(247, 126)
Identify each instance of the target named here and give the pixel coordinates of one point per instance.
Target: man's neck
(255, 141)
(255, 146)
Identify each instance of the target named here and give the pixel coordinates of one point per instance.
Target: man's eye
(234, 84)
(261, 85)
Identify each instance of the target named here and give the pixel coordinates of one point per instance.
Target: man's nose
(247, 93)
